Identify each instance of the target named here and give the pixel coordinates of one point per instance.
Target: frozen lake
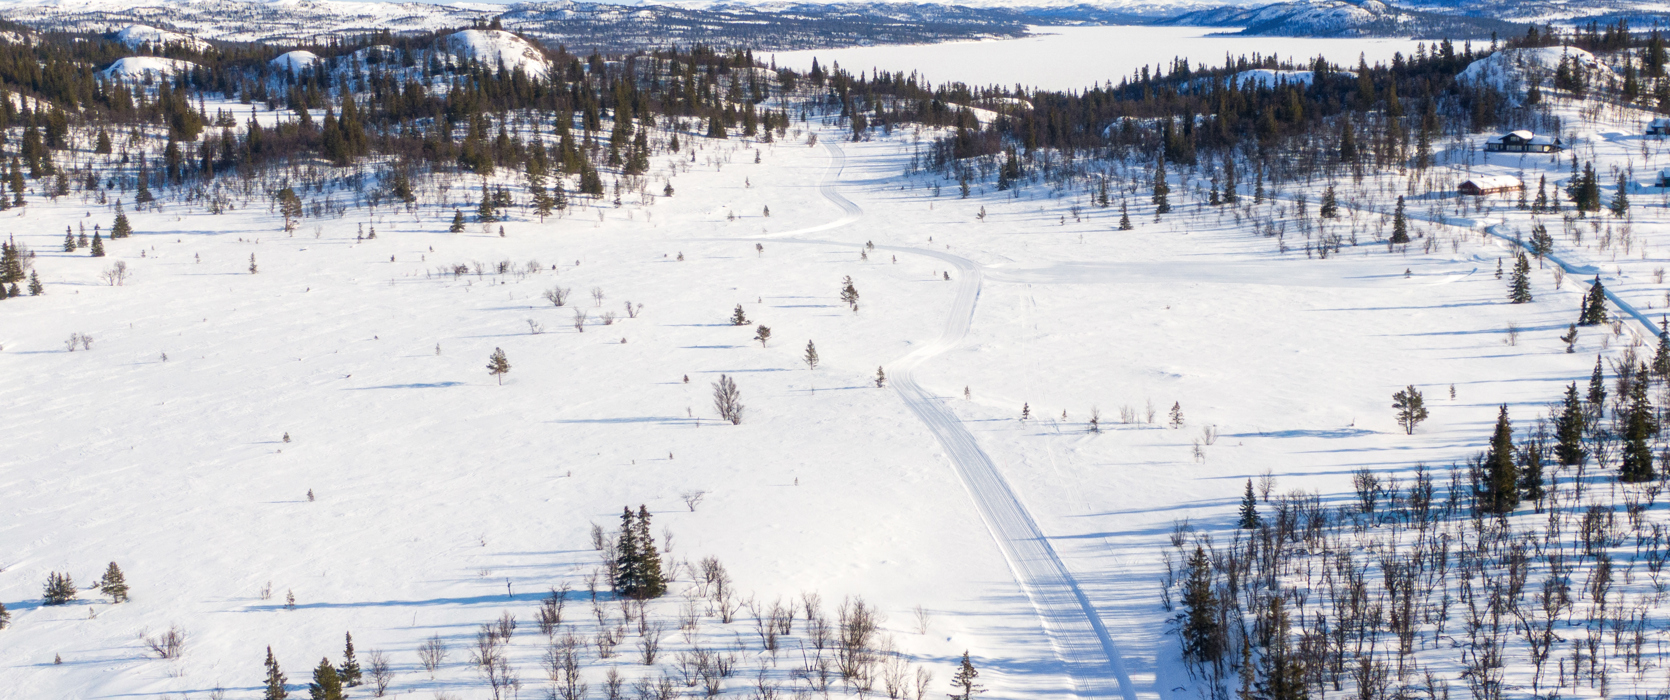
(1066, 58)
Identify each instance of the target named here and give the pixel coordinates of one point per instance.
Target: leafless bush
(650, 644)
(382, 674)
(117, 274)
(921, 620)
(535, 327)
(550, 610)
(632, 310)
(1127, 415)
(431, 653)
(1208, 434)
(486, 646)
(727, 400)
(692, 499)
(856, 629)
(579, 320)
(608, 318)
(82, 340)
(558, 296)
(659, 688)
(611, 684)
(1513, 334)
(505, 627)
(607, 639)
(562, 664)
(597, 295)
(168, 645)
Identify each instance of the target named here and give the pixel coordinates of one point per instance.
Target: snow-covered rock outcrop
(494, 46)
(145, 68)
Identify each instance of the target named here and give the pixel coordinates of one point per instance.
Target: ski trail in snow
(1088, 653)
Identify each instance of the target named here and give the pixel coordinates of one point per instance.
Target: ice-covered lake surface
(1073, 58)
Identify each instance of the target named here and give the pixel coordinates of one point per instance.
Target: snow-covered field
(416, 496)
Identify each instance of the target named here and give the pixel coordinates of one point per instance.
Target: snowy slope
(145, 68)
(496, 47)
(295, 61)
(1513, 71)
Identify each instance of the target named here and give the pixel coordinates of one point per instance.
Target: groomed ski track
(1081, 642)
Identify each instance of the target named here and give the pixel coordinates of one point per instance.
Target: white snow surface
(493, 47)
(295, 61)
(146, 68)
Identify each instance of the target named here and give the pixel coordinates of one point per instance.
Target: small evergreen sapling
(738, 318)
(881, 377)
(849, 294)
(1520, 287)
(1249, 510)
(498, 365)
(457, 222)
(98, 246)
(1410, 407)
(1400, 224)
(811, 355)
(1594, 305)
(326, 684)
(275, 679)
(350, 671)
(114, 584)
(5, 617)
(120, 229)
(1177, 414)
(253, 268)
(762, 333)
(963, 681)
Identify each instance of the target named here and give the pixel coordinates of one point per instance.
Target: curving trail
(1080, 640)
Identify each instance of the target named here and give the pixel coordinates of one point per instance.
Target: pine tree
(1500, 491)
(326, 684)
(98, 246)
(1177, 414)
(253, 268)
(1330, 204)
(651, 582)
(1400, 224)
(143, 195)
(350, 670)
(35, 287)
(69, 240)
(485, 211)
(275, 679)
(457, 222)
(628, 563)
(59, 589)
(498, 365)
(738, 318)
(114, 584)
(1640, 425)
(5, 617)
(1594, 305)
(1530, 473)
(849, 293)
(1569, 427)
(811, 355)
(963, 681)
(1124, 217)
(1661, 359)
(1202, 628)
(1620, 199)
(102, 146)
(1249, 510)
(1411, 408)
(1520, 288)
(881, 378)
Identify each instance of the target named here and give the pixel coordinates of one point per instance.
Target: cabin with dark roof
(1521, 141)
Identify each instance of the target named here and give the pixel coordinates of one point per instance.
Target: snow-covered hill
(1514, 71)
(140, 36)
(295, 61)
(146, 68)
(494, 48)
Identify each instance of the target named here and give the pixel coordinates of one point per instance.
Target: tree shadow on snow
(427, 385)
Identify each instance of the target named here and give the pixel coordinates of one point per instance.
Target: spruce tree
(69, 240)
(1569, 427)
(1400, 224)
(59, 589)
(881, 378)
(120, 229)
(1249, 510)
(738, 318)
(1594, 305)
(628, 562)
(275, 679)
(326, 684)
(5, 617)
(98, 246)
(350, 671)
(1162, 191)
(1620, 199)
(457, 222)
(963, 681)
(1520, 287)
(1530, 473)
(1500, 491)
(1282, 672)
(1124, 217)
(498, 365)
(114, 584)
(811, 355)
(1661, 359)
(35, 287)
(1203, 633)
(652, 583)
(1330, 204)
(1640, 425)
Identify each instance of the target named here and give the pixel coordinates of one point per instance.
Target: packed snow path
(1081, 641)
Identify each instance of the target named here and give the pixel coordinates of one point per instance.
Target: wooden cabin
(1659, 127)
(1521, 141)
(1489, 184)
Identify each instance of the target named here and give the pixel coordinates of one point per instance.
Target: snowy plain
(444, 499)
